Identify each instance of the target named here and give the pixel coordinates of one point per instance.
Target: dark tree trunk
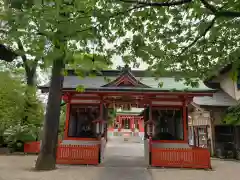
(47, 157)
(31, 77)
(30, 74)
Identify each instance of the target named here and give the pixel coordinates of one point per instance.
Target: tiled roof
(219, 98)
(71, 82)
(97, 82)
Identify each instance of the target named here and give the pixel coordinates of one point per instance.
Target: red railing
(185, 158)
(78, 154)
(32, 147)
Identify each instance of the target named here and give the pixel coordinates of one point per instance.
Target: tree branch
(109, 17)
(213, 9)
(218, 13)
(230, 14)
(159, 4)
(209, 6)
(200, 36)
(23, 56)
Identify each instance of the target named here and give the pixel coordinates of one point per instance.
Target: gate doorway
(128, 124)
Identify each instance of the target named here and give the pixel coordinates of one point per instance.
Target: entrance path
(124, 161)
(19, 168)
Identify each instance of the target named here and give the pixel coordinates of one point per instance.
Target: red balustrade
(78, 154)
(32, 147)
(182, 158)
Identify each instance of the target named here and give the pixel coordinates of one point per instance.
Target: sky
(117, 61)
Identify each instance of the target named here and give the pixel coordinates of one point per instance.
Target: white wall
(228, 85)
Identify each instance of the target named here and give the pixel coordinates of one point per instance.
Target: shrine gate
(165, 117)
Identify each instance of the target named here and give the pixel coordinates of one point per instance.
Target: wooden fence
(32, 147)
(183, 158)
(78, 154)
(70, 154)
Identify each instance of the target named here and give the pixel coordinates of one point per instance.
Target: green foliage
(195, 37)
(13, 124)
(112, 114)
(55, 29)
(33, 112)
(62, 120)
(232, 115)
(22, 133)
(12, 101)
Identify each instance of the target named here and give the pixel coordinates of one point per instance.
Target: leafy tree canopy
(197, 37)
(194, 36)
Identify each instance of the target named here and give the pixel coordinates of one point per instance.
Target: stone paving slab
(123, 162)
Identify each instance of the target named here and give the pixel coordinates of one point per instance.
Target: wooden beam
(147, 93)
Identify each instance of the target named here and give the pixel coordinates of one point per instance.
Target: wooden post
(67, 119)
(150, 120)
(185, 131)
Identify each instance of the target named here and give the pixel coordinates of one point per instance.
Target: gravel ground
(123, 161)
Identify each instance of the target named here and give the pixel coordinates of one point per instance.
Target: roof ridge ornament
(126, 68)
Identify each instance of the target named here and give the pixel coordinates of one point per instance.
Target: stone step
(136, 139)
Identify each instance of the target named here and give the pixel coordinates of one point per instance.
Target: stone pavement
(123, 161)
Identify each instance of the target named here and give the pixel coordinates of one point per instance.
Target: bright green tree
(197, 37)
(13, 128)
(11, 101)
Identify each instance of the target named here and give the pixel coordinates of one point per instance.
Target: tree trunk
(30, 75)
(47, 157)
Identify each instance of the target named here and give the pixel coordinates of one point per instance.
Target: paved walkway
(124, 161)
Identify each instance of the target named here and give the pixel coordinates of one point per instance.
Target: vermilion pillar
(141, 125)
(185, 133)
(67, 120)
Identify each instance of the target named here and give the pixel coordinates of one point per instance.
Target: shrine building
(127, 122)
(165, 116)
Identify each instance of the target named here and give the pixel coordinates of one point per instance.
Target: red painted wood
(182, 158)
(185, 133)
(80, 139)
(78, 154)
(141, 125)
(32, 147)
(132, 119)
(67, 121)
(167, 107)
(126, 79)
(148, 93)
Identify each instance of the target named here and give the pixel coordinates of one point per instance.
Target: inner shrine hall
(127, 122)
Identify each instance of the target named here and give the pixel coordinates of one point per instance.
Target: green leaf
(80, 88)
(160, 84)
